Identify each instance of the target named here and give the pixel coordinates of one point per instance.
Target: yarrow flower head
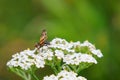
(66, 59)
(74, 52)
(77, 58)
(73, 47)
(64, 75)
(70, 52)
(26, 59)
(92, 49)
(45, 52)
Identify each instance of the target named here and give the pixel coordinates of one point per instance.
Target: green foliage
(97, 21)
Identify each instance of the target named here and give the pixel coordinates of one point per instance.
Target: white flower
(77, 58)
(46, 53)
(74, 44)
(65, 75)
(88, 44)
(60, 43)
(81, 78)
(51, 77)
(59, 54)
(39, 61)
(26, 59)
(92, 49)
(87, 58)
(97, 53)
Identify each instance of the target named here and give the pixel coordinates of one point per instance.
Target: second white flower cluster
(64, 75)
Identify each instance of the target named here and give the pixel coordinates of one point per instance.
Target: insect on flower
(43, 39)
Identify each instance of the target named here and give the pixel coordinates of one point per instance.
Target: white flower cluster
(26, 59)
(64, 75)
(92, 48)
(77, 58)
(62, 44)
(45, 52)
(69, 52)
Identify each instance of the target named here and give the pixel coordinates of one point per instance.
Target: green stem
(54, 69)
(34, 76)
(73, 68)
(21, 73)
(69, 69)
(53, 66)
(59, 66)
(32, 72)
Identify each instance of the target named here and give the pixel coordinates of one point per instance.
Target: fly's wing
(43, 38)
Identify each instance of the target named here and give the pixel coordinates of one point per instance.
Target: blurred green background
(98, 21)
